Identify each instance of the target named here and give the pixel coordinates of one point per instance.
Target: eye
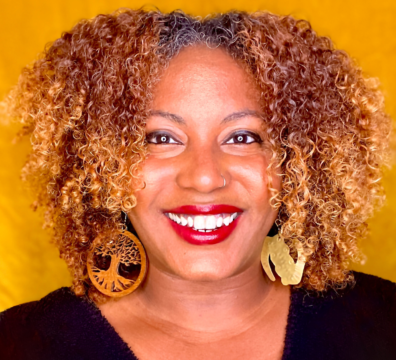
(159, 138)
(245, 137)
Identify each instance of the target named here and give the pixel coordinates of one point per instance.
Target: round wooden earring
(117, 267)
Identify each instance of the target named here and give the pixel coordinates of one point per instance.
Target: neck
(216, 307)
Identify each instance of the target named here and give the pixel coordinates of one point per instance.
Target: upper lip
(210, 209)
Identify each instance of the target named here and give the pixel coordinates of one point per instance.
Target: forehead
(199, 73)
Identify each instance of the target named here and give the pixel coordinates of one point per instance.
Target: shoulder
(58, 298)
(61, 303)
(60, 326)
(373, 293)
(32, 325)
(356, 322)
(366, 281)
(367, 294)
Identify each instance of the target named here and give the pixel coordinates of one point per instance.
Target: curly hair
(84, 103)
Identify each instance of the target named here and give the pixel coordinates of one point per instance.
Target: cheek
(155, 170)
(158, 175)
(251, 172)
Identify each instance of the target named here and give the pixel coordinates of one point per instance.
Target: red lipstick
(205, 209)
(196, 237)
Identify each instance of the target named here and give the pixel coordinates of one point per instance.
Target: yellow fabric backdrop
(29, 266)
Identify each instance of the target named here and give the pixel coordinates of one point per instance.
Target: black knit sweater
(358, 322)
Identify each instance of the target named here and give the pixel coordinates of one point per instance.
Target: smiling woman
(216, 139)
(176, 159)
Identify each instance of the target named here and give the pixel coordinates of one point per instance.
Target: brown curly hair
(85, 101)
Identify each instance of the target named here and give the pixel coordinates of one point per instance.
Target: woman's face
(204, 123)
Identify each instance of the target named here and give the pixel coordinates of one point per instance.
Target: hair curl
(85, 101)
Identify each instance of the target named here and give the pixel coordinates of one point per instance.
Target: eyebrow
(229, 118)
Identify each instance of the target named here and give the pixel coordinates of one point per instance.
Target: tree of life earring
(118, 264)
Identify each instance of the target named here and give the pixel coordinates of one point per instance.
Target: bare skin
(204, 301)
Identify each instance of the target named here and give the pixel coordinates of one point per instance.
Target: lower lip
(202, 238)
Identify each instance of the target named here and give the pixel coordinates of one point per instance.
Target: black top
(358, 322)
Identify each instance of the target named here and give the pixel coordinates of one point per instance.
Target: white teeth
(199, 222)
(210, 222)
(183, 220)
(203, 223)
(232, 217)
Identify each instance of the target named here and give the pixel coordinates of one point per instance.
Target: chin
(206, 271)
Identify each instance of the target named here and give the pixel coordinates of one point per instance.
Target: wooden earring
(117, 267)
(275, 249)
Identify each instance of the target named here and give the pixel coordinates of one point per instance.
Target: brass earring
(279, 253)
(119, 265)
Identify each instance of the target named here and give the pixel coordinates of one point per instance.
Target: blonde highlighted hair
(85, 101)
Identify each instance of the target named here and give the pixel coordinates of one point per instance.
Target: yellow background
(29, 266)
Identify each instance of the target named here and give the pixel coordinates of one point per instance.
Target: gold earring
(118, 266)
(289, 271)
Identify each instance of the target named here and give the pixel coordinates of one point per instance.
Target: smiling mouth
(203, 223)
(203, 229)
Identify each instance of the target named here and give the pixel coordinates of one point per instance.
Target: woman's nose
(201, 170)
